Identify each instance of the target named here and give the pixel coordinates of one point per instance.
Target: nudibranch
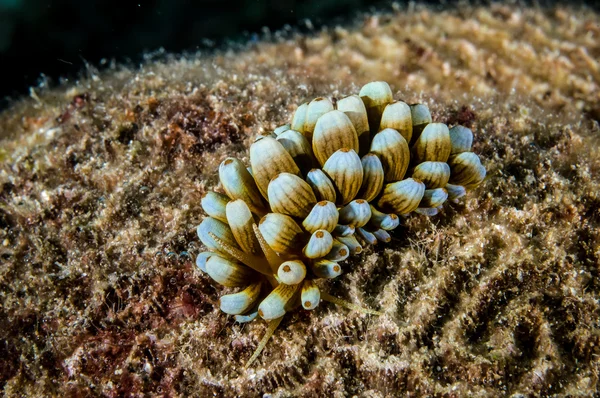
(319, 189)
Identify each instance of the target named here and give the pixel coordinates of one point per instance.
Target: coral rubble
(101, 182)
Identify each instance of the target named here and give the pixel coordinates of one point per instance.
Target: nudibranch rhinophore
(318, 190)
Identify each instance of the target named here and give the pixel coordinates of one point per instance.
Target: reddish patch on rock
(194, 126)
(464, 116)
(78, 102)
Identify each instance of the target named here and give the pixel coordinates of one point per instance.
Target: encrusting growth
(337, 178)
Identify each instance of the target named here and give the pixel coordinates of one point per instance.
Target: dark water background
(57, 37)
(45, 40)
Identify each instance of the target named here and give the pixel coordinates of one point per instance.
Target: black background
(56, 38)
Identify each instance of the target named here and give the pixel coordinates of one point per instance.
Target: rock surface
(100, 187)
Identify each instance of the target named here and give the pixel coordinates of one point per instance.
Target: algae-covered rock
(101, 183)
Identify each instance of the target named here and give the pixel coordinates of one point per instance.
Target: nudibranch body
(318, 190)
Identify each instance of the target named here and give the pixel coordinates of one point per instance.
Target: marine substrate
(100, 187)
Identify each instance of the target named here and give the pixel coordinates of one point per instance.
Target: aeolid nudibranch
(318, 190)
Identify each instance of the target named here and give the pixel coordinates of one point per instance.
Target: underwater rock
(101, 187)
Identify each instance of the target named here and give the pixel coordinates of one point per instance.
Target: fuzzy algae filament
(337, 178)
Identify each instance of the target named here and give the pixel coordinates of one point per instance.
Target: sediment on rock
(100, 187)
